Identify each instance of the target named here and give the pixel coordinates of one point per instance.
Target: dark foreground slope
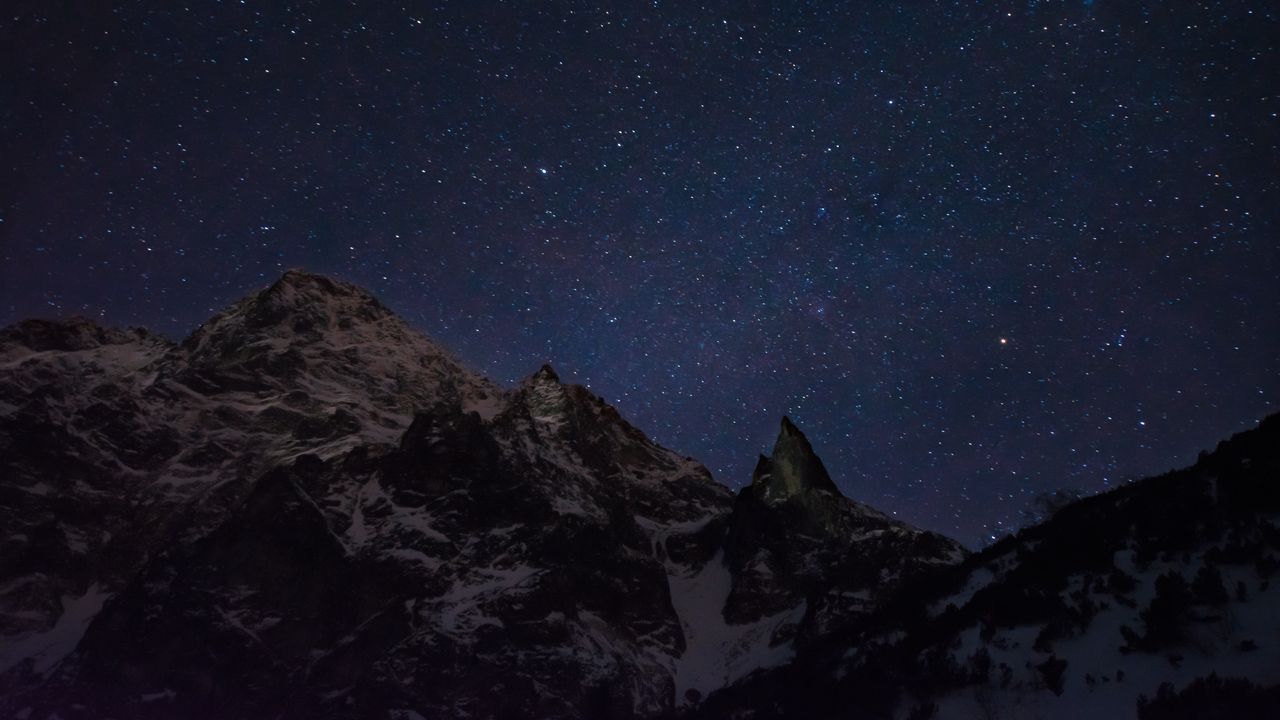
(1157, 599)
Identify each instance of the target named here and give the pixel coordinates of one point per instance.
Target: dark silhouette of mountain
(306, 509)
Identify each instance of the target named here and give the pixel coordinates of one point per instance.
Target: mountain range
(307, 509)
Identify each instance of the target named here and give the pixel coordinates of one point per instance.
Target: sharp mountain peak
(315, 285)
(546, 373)
(794, 468)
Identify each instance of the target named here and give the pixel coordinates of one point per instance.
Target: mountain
(308, 509)
(1157, 600)
(113, 442)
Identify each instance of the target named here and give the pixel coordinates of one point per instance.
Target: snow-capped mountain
(112, 442)
(308, 509)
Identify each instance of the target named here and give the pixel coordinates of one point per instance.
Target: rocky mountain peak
(794, 469)
(302, 288)
(303, 303)
(546, 373)
(792, 524)
(546, 399)
(298, 305)
(333, 334)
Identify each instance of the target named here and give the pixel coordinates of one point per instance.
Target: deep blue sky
(975, 250)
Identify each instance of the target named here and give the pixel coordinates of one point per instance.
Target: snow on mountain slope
(1102, 680)
(409, 579)
(717, 653)
(70, 438)
(48, 648)
(1173, 583)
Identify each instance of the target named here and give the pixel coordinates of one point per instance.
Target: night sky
(975, 250)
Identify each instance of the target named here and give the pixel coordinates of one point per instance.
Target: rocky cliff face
(307, 509)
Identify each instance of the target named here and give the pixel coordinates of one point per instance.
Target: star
(730, 235)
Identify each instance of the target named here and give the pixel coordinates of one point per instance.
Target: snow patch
(461, 611)
(718, 654)
(48, 648)
(978, 579)
(166, 694)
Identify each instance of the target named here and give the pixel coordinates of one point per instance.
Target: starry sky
(976, 250)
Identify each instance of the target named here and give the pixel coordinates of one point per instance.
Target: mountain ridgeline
(307, 509)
